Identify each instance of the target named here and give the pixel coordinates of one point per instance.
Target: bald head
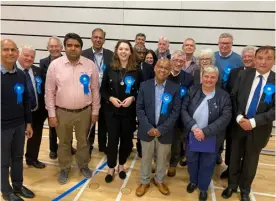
(9, 53)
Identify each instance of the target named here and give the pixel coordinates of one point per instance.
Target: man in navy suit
(102, 58)
(158, 106)
(254, 107)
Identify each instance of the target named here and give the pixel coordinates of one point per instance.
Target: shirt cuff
(52, 113)
(252, 122)
(239, 117)
(194, 126)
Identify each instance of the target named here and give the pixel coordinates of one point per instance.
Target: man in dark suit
(54, 47)
(158, 106)
(248, 58)
(102, 58)
(254, 106)
(34, 78)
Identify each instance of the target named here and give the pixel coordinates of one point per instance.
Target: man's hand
(94, 119)
(245, 124)
(151, 132)
(29, 131)
(127, 101)
(199, 135)
(115, 101)
(156, 132)
(53, 122)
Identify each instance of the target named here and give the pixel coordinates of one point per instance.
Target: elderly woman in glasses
(206, 112)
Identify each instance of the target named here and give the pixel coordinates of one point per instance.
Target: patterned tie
(30, 89)
(254, 102)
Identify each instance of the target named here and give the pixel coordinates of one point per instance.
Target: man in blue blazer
(158, 106)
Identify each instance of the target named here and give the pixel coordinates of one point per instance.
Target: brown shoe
(162, 188)
(142, 189)
(171, 172)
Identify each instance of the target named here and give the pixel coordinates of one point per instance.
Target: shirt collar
(265, 76)
(176, 74)
(4, 70)
(226, 55)
(80, 61)
(162, 85)
(101, 52)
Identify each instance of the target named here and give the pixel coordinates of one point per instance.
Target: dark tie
(30, 89)
(255, 99)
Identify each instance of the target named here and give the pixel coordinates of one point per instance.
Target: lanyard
(96, 61)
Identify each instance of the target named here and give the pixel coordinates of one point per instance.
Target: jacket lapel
(247, 86)
(166, 90)
(152, 92)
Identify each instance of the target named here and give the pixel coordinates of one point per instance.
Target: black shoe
(24, 192)
(109, 177)
(63, 177)
(245, 196)
(73, 151)
(183, 162)
(122, 174)
(86, 172)
(12, 197)
(219, 160)
(203, 196)
(225, 174)
(191, 187)
(227, 193)
(53, 155)
(36, 164)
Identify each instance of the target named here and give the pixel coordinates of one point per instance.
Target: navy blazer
(107, 55)
(145, 110)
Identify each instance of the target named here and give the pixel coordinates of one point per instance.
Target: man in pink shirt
(73, 101)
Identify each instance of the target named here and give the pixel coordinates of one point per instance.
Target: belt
(73, 110)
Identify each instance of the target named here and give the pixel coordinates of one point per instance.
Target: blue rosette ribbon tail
(38, 81)
(103, 67)
(269, 90)
(166, 99)
(19, 90)
(129, 81)
(226, 72)
(85, 79)
(183, 91)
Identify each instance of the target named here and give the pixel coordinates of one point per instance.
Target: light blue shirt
(4, 70)
(98, 59)
(201, 114)
(159, 90)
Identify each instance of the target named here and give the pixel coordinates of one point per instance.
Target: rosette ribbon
(38, 81)
(129, 81)
(269, 90)
(183, 91)
(166, 99)
(19, 90)
(226, 72)
(103, 67)
(85, 79)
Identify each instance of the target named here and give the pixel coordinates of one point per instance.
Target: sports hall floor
(44, 181)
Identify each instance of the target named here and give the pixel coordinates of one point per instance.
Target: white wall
(251, 23)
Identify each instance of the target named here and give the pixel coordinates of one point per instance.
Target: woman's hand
(127, 101)
(115, 101)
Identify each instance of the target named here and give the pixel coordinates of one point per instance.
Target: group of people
(185, 107)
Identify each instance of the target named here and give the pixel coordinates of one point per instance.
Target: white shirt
(253, 88)
(226, 55)
(31, 73)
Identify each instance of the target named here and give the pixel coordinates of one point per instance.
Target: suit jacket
(146, 71)
(107, 55)
(44, 64)
(39, 72)
(265, 112)
(234, 73)
(145, 109)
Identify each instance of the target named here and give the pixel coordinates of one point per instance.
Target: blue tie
(254, 102)
(30, 89)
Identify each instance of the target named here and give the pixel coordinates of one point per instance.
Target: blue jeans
(200, 168)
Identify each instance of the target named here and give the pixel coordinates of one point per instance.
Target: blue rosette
(129, 81)
(166, 99)
(183, 91)
(85, 79)
(103, 67)
(19, 90)
(269, 90)
(38, 81)
(226, 72)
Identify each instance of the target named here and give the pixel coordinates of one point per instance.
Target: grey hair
(178, 53)
(208, 53)
(164, 39)
(210, 69)
(55, 38)
(249, 49)
(189, 39)
(226, 35)
(26, 46)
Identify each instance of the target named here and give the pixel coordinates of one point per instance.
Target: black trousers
(228, 141)
(33, 144)
(12, 151)
(243, 162)
(102, 131)
(120, 129)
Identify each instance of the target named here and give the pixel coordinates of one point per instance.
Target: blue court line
(266, 150)
(78, 184)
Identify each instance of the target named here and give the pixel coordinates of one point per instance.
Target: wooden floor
(44, 182)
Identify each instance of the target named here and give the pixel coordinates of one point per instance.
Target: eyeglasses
(205, 59)
(225, 43)
(164, 68)
(178, 61)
